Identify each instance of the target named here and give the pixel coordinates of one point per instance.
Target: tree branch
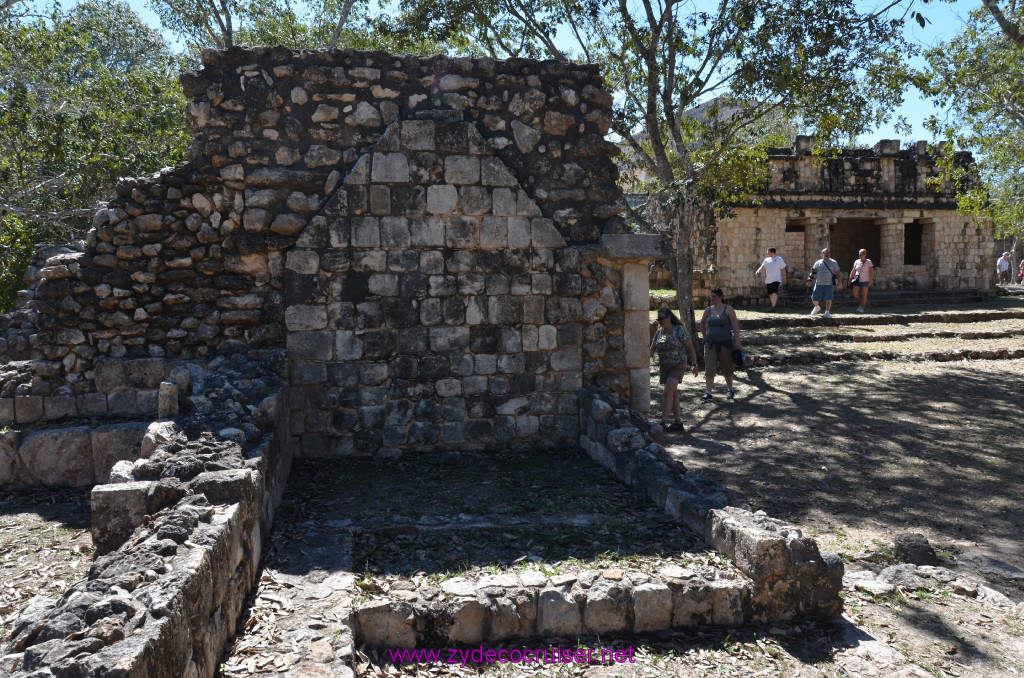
(346, 8)
(1009, 29)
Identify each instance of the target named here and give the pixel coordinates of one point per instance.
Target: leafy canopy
(978, 78)
(87, 96)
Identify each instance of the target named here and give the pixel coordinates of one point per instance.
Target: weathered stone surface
(113, 443)
(384, 623)
(652, 607)
(58, 458)
(558, 614)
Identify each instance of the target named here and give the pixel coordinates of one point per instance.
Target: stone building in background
(877, 199)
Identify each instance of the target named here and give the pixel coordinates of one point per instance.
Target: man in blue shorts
(825, 274)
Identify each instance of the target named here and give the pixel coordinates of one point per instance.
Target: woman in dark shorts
(673, 344)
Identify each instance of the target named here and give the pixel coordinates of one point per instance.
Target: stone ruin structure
(364, 254)
(877, 199)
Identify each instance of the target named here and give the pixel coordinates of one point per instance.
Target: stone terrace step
(1010, 290)
(844, 297)
(782, 321)
(818, 356)
(787, 339)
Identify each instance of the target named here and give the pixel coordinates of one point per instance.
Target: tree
(86, 97)
(837, 69)
(307, 25)
(978, 78)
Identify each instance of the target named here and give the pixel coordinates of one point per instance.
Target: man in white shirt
(774, 268)
(1003, 268)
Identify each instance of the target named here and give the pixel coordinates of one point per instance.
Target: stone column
(636, 307)
(634, 252)
(891, 269)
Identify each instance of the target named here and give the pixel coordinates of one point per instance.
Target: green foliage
(977, 77)
(86, 96)
(17, 243)
(304, 25)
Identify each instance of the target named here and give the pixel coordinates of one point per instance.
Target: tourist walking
(673, 344)
(862, 273)
(774, 268)
(721, 332)
(1003, 268)
(1020, 273)
(825, 276)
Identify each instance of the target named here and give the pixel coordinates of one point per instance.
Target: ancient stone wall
(420, 233)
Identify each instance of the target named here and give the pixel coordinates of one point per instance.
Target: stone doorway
(848, 236)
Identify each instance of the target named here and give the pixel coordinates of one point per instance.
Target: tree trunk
(691, 216)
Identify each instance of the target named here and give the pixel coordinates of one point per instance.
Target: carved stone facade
(875, 199)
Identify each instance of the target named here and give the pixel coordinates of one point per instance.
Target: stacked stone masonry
(178, 527)
(438, 218)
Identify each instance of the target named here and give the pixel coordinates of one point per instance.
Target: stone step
(788, 339)
(805, 357)
(465, 611)
(950, 317)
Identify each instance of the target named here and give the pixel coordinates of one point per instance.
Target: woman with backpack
(670, 341)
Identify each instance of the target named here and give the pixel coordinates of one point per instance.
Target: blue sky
(944, 21)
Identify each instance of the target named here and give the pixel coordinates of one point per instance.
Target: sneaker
(860, 309)
(707, 396)
(828, 314)
(816, 310)
(730, 395)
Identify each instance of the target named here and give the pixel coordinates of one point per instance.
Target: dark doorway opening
(848, 236)
(913, 237)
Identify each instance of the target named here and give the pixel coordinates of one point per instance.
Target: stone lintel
(635, 246)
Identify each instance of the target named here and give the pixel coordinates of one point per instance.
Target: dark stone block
(489, 260)
(409, 200)
(399, 412)
(479, 432)
(381, 344)
(344, 421)
(567, 284)
(570, 335)
(423, 433)
(413, 285)
(403, 261)
(394, 436)
(401, 312)
(426, 168)
(453, 311)
(403, 367)
(432, 368)
(426, 410)
(369, 314)
(250, 243)
(356, 286)
(453, 409)
(522, 384)
(413, 341)
(367, 441)
(504, 429)
(348, 396)
(304, 289)
(480, 407)
(515, 261)
(484, 338)
(399, 389)
(451, 137)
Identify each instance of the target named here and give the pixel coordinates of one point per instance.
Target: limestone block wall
(195, 260)
(431, 308)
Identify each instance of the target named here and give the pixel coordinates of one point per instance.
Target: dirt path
(854, 453)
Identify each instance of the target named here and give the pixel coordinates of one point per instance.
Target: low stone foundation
(181, 543)
(528, 604)
(66, 457)
(789, 576)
